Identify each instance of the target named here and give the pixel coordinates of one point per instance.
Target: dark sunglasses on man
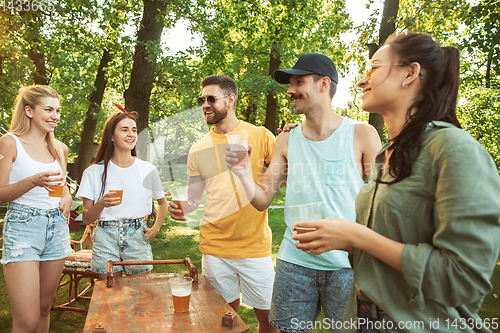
(210, 100)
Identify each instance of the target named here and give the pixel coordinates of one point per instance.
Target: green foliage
(177, 86)
(172, 137)
(440, 19)
(70, 47)
(241, 37)
(479, 115)
(481, 44)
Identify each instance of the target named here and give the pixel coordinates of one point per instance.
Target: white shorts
(255, 276)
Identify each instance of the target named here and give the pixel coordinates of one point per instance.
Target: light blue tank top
(321, 171)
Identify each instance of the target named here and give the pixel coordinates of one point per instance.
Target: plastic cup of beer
(57, 185)
(238, 143)
(116, 185)
(180, 198)
(305, 212)
(181, 292)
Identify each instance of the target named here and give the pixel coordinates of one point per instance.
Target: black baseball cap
(309, 63)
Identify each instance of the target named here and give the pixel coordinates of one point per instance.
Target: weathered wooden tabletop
(143, 303)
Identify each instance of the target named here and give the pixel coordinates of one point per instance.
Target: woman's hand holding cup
(108, 201)
(45, 179)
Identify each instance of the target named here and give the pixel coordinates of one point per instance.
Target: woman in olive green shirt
(427, 236)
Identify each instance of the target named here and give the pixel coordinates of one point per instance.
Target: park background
(151, 56)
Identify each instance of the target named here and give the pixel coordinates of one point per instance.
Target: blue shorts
(34, 234)
(121, 240)
(300, 292)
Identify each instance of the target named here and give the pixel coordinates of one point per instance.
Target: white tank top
(23, 167)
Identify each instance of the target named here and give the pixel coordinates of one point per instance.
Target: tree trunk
(171, 171)
(250, 110)
(143, 70)
(34, 25)
(38, 59)
(271, 112)
(488, 69)
(89, 126)
(388, 23)
(272, 101)
(387, 27)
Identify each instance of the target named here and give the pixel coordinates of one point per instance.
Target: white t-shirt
(141, 184)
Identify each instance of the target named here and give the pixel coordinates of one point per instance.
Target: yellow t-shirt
(231, 227)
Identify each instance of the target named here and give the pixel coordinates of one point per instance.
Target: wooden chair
(77, 267)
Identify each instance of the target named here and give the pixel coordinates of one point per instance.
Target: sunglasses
(210, 100)
(371, 69)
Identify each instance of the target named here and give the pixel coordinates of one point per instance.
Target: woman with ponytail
(122, 233)
(427, 235)
(35, 229)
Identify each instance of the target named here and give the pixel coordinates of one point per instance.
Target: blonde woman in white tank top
(35, 231)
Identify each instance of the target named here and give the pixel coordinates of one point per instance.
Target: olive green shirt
(447, 212)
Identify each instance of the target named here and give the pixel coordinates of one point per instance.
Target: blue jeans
(372, 319)
(34, 234)
(121, 240)
(300, 292)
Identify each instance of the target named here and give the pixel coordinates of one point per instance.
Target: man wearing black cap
(325, 160)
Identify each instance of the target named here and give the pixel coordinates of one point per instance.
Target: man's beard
(217, 116)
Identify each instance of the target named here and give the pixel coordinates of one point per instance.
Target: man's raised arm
(261, 195)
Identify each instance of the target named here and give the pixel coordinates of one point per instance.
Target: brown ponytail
(436, 101)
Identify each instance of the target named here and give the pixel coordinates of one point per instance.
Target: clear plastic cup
(306, 212)
(116, 185)
(57, 185)
(180, 195)
(181, 292)
(238, 144)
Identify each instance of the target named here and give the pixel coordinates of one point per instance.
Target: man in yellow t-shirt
(235, 238)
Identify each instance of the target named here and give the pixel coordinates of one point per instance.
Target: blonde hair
(21, 123)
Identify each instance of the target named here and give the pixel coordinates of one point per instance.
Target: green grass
(491, 305)
(180, 240)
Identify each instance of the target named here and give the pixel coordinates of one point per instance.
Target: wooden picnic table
(143, 303)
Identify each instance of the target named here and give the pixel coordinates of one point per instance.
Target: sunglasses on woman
(210, 100)
(372, 67)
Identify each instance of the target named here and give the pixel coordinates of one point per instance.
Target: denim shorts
(300, 292)
(372, 319)
(34, 234)
(121, 240)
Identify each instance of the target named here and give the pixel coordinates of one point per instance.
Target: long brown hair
(21, 123)
(437, 99)
(106, 147)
